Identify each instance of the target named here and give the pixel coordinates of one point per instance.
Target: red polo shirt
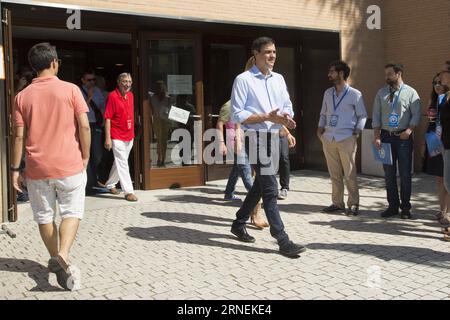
(120, 110)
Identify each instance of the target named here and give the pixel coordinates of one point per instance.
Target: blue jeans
(285, 167)
(265, 186)
(401, 154)
(241, 167)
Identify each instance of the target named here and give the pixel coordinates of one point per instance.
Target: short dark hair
(398, 67)
(339, 66)
(261, 42)
(41, 56)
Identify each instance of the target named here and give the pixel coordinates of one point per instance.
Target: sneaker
(291, 249)
(332, 208)
(282, 195)
(406, 214)
(64, 274)
(352, 211)
(242, 234)
(232, 198)
(389, 213)
(66, 280)
(53, 265)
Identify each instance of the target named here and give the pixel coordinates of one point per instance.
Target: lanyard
(342, 98)
(440, 102)
(396, 99)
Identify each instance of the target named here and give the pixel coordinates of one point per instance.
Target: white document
(178, 115)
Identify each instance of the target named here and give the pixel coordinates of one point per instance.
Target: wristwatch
(14, 169)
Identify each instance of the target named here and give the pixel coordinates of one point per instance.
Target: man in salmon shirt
(53, 114)
(119, 135)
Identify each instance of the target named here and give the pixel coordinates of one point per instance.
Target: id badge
(439, 131)
(334, 120)
(129, 124)
(393, 120)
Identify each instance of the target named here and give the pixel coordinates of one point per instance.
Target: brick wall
(416, 33)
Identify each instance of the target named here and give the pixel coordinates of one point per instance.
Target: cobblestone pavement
(176, 244)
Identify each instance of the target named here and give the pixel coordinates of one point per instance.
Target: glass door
(223, 62)
(172, 94)
(7, 192)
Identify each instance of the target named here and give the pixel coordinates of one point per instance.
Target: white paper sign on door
(2, 64)
(178, 115)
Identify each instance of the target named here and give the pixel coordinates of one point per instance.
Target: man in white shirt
(342, 118)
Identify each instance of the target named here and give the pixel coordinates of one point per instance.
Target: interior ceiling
(74, 35)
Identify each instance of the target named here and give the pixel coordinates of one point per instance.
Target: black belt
(392, 133)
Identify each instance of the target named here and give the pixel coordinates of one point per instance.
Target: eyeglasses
(59, 62)
(91, 79)
(437, 84)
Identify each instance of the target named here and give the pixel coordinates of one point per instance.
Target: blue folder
(434, 144)
(384, 155)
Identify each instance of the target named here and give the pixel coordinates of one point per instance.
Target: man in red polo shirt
(119, 135)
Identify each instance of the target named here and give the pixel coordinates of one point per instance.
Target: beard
(335, 81)
(391, 82)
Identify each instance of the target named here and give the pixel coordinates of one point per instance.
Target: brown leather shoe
(131, 197)
(114, 191)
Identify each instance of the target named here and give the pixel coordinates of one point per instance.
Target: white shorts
(69, 191)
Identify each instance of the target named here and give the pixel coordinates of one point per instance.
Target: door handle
(213, 116)
(195, 116)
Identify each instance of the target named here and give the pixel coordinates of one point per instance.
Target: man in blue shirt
(342, 118)
(96, 103)
(396, 113)
(260, 102)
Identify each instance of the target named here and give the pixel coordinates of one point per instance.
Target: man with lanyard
(119, 135)
(260, 102)
(96, 102)
(342, 118)
(396, 113)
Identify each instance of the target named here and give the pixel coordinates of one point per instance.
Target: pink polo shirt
(48, 108)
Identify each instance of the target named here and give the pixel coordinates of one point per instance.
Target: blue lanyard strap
(334, 100)
(440, 103)
(394, 103)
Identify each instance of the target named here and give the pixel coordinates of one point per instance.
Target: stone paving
(176, 244)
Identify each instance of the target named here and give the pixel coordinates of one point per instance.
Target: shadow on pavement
(190, 236)
(200, 200)
(36, 271)
(415, 255)
(182, 217)
(391, 228)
